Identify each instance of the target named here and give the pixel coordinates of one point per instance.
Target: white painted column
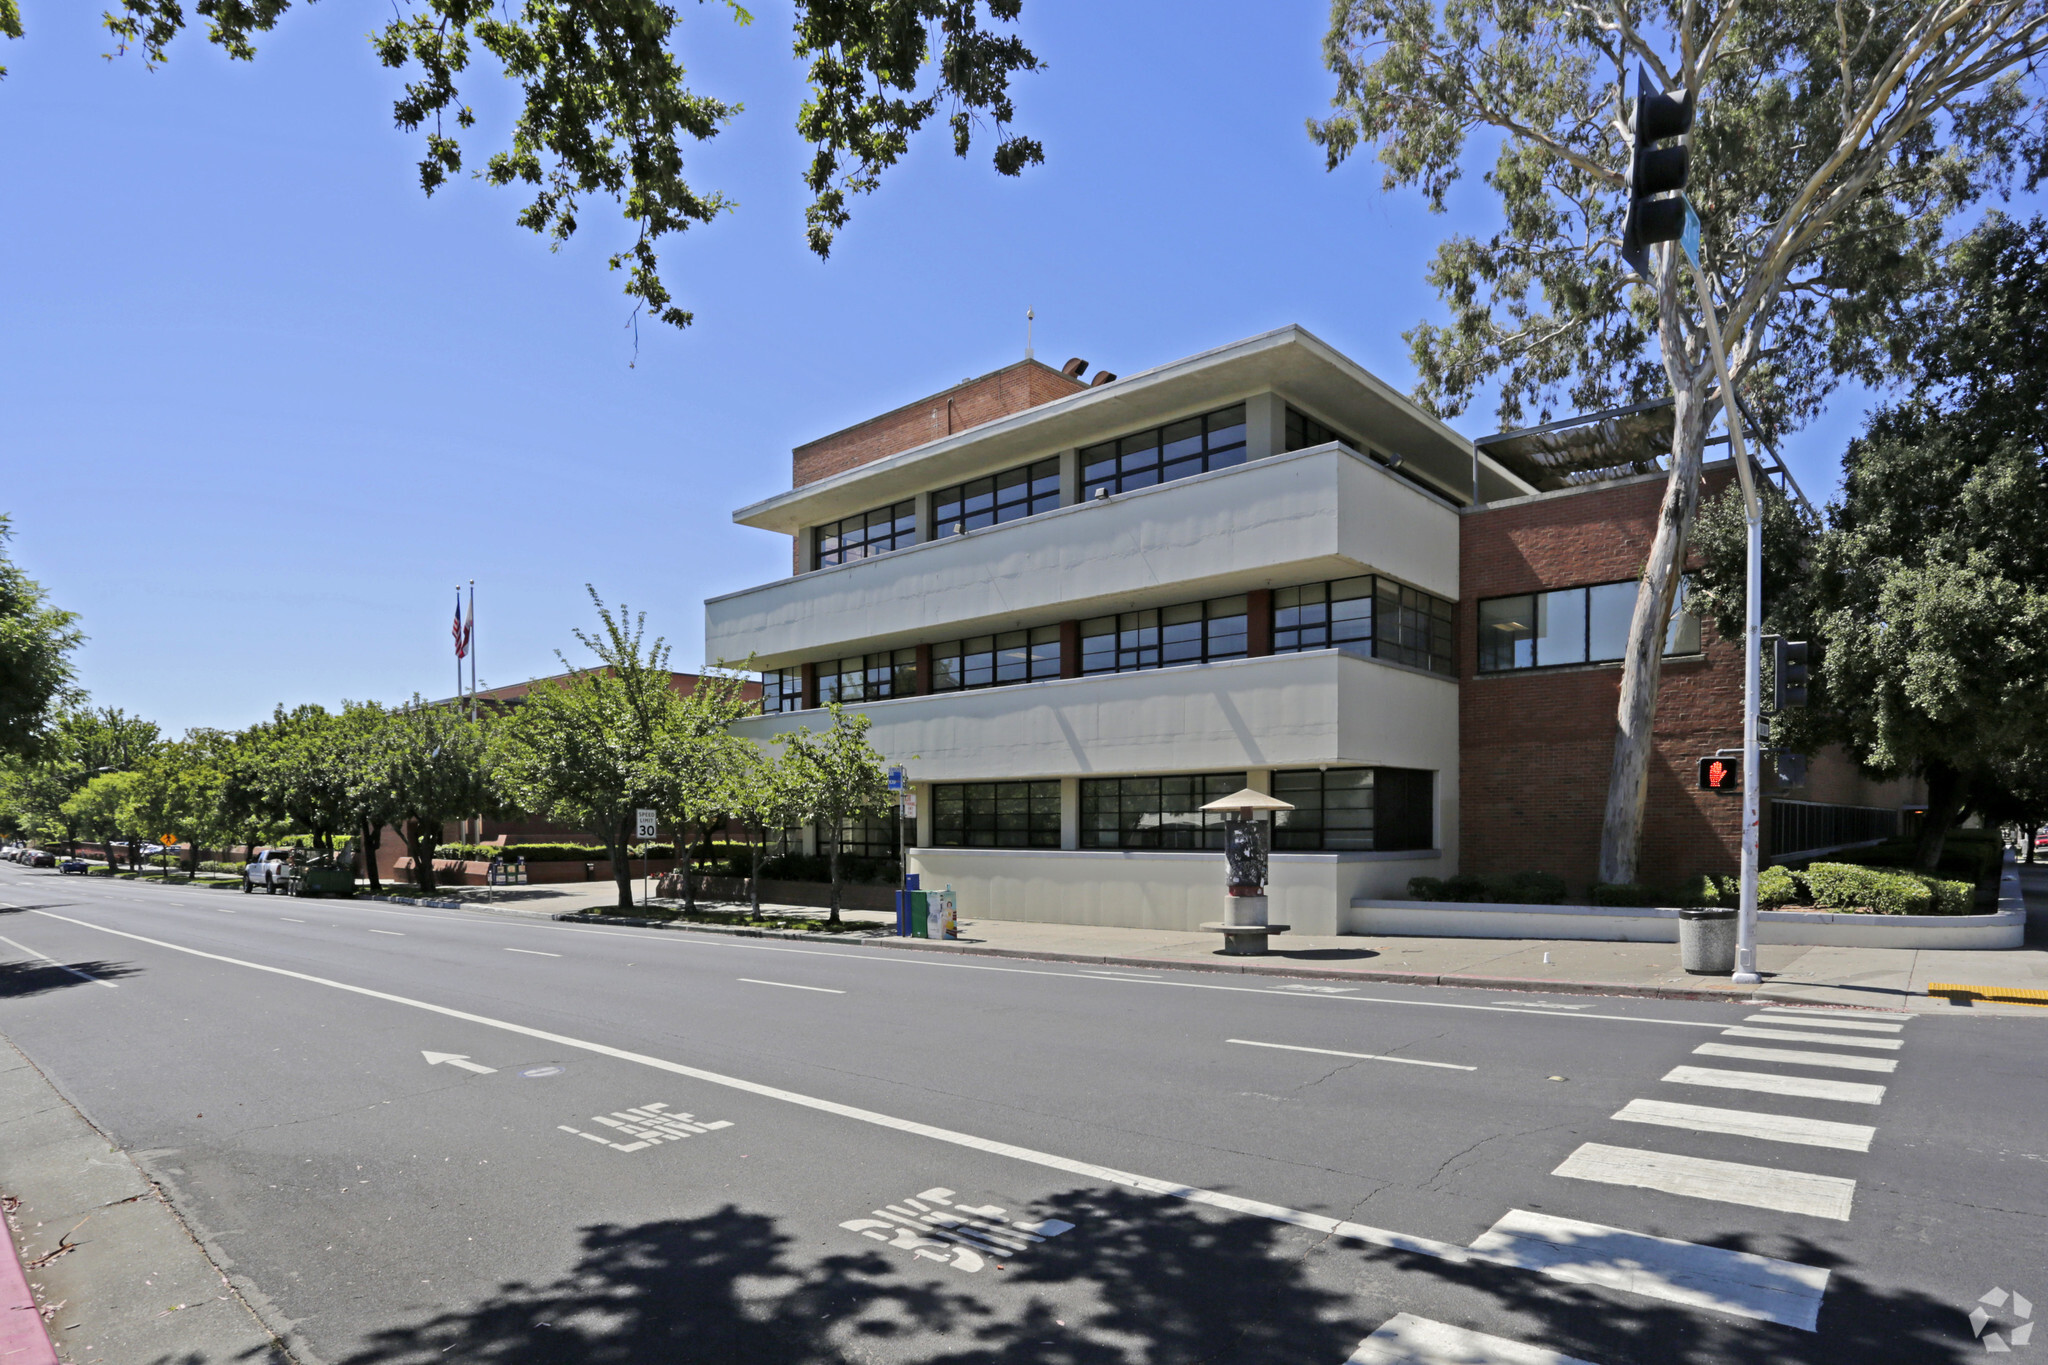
(927, 526)
(1265, 426)
(1070, 812)
(1070, 477)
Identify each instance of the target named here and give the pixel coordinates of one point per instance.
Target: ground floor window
(874, 837)
(1154, 812)
(1338, 810)
(996, 815)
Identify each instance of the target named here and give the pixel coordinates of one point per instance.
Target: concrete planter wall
(2004, 928)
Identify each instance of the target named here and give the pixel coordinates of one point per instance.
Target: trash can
(1706, 941)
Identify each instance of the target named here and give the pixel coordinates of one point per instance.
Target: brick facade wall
(1013, 388)
(1536, 747)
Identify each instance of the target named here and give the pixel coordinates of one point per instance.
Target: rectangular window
(1191, 633)
(867, 677)
(1015, 656)
(1194, 445)
(1572, 626)
(873, 837)
(782, 689)
(1304, 431)
(1338, 810)
(1154, 812)
(866, 533)
(1021, 492)
(1389, 619)
(996, 815)
(1412, 627)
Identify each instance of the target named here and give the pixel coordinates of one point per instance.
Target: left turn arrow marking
(456, 1059)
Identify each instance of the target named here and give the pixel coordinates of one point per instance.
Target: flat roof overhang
(1289, 360)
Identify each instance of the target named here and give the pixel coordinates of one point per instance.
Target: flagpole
(469, 638)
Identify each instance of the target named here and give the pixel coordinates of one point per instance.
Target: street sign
(1690, 237)
(897, 777)
(643, 824)
(1721, 773)
(910, 805)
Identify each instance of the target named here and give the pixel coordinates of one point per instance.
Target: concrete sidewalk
(1881, 978)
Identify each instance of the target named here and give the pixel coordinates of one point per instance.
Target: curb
(24, 1336)
(414, 900)
(1491, 983)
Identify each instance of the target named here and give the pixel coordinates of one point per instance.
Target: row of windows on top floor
(1376, 615)
(1178, 450)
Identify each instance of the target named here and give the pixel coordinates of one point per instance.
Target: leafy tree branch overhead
(605, 110)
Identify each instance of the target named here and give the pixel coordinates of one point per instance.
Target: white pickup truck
(267, 870)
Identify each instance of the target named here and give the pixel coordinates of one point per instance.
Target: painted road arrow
(454, 1059)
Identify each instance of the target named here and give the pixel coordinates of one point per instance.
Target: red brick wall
(1013, 388)
(1536, 747)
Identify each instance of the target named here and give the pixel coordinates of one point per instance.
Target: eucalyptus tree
(836, 777)
(603, 110)
(1834, 146)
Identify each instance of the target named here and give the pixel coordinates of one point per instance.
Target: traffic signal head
(1789, 673)
(1653, 171)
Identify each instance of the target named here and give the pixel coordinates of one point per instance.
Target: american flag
(460, 630)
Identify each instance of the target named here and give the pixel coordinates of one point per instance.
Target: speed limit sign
(643, 824)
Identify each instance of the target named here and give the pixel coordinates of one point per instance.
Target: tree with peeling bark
(604, 111)
(1833, 147)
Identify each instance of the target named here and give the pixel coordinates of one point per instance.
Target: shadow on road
(19, 980)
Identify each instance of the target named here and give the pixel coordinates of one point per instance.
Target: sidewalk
(1879, 978)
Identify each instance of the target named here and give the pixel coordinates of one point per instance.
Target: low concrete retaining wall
(2006, 928)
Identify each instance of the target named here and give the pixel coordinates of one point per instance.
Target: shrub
(1846, 886)
(1527, 888)
(1427, 888)
(1706, 890)
(1775, 887)
(1950, 898)
(1632, 894)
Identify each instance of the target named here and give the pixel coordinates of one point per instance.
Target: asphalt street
(413, 1135)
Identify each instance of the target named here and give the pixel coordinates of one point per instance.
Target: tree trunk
(761, 837)
(422, 849)
(1621, 831)
(687, 866)
(1947, 791)
(373, 835)
(833, 858)
(2030, 833)
(622, 870)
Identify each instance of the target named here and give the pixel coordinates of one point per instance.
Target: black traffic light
(1721, 773)
(1789, 673)
(1654, 171)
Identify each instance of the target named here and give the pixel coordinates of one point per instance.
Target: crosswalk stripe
(1739, 1283)
(1809, 1021)
(1726, 1182)
(1796, 1057)
(1848, 1137)
(1830, 1012)
(1405, 1339)
(1803, 1087)
(1832, 1040)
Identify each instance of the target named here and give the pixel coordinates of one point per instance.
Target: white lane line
(289, 920)
(1740, 1283)
(1699, 1118)
(532, 952)
(1810, 1021)
(83, 976)
(392, 932)
(1796, 1057)
(1794, 1036)
(789, 985)
(1362, 1056)
(1830, 1012)
(226, 911)
(1405, 1339)
(1802, 1087)
(1726, 1182)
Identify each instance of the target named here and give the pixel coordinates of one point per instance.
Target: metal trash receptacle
(1706, 941)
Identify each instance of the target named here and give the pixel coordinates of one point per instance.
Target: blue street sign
(1690, 239)
(896, 778)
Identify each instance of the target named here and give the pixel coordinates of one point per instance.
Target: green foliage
(835, 776)
(1465, 887)
(1844, 886)
(1706, 891)
(1526, 888)
(817, 867)
(36, 639)
(1776, 887)
(1624, 894)
(603, 110)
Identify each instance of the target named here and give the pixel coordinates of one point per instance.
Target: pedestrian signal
(1720, 774)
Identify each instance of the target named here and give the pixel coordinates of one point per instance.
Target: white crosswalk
(1795, 1057)
(1763, 1082)
(1809, 1021)
(1728, 1182)
(1849, 1137)
(1779, 1035)
(1408, 1340)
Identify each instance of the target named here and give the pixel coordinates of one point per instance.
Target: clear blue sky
(264, 404)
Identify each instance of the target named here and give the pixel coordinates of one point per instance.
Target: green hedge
(1777, 887)
(1849, 886)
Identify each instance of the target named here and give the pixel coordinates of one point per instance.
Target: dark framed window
(782, 689)
(1021, 492)
(1014, 656)
(1338, 810)
(1191, 633)
(1304, 431)
(1194, 445)
(1572, 626)
(996, 815)
(1391, 620)
(866, 533)
(872, 837)
(1154, 812)
(868, 677)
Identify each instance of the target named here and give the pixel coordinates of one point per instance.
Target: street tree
(837, 778)
(84, 743)
(582, 750)
(96, 811)
(766, 796)
(178, 793)
(694, 759)
(431, 767)
(291, 772)
(372, 801)
(1832, 150)
(36, 640)
(604, 111)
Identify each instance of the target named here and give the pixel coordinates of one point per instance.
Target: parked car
(269, 869)
(38, 857)
(72, 866)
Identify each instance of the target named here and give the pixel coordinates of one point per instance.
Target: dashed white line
(392, 932)
(532, 952)
(789, 986)
(289, 920)
(1362, 1056)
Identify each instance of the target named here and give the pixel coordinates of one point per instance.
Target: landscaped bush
(1776, 887)
(556, 853)
(1624, 895)
(1847, 886)
(1950, 898)
(1706, 891)
(816, 867)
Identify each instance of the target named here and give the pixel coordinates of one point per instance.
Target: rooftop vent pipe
(1072, 369)
(1101, 377)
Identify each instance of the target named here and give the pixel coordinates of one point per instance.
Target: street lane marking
(789, 986)
(1735, 1282)
(1831, 1039)
(1848, 1137)
(911, 1226)
(1405, 1339)
(649, 1125)
(225, 911)
(289, 920)
(1362, 1056)
(532, 952)
(392, 932)
(1809, 1021)
(1727, 1182)
(1796, 1057)
(1831, 1012)
(457, 1059)
(1803, 1087)
(82, 976)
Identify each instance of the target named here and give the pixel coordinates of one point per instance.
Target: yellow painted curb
(1998, 994)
